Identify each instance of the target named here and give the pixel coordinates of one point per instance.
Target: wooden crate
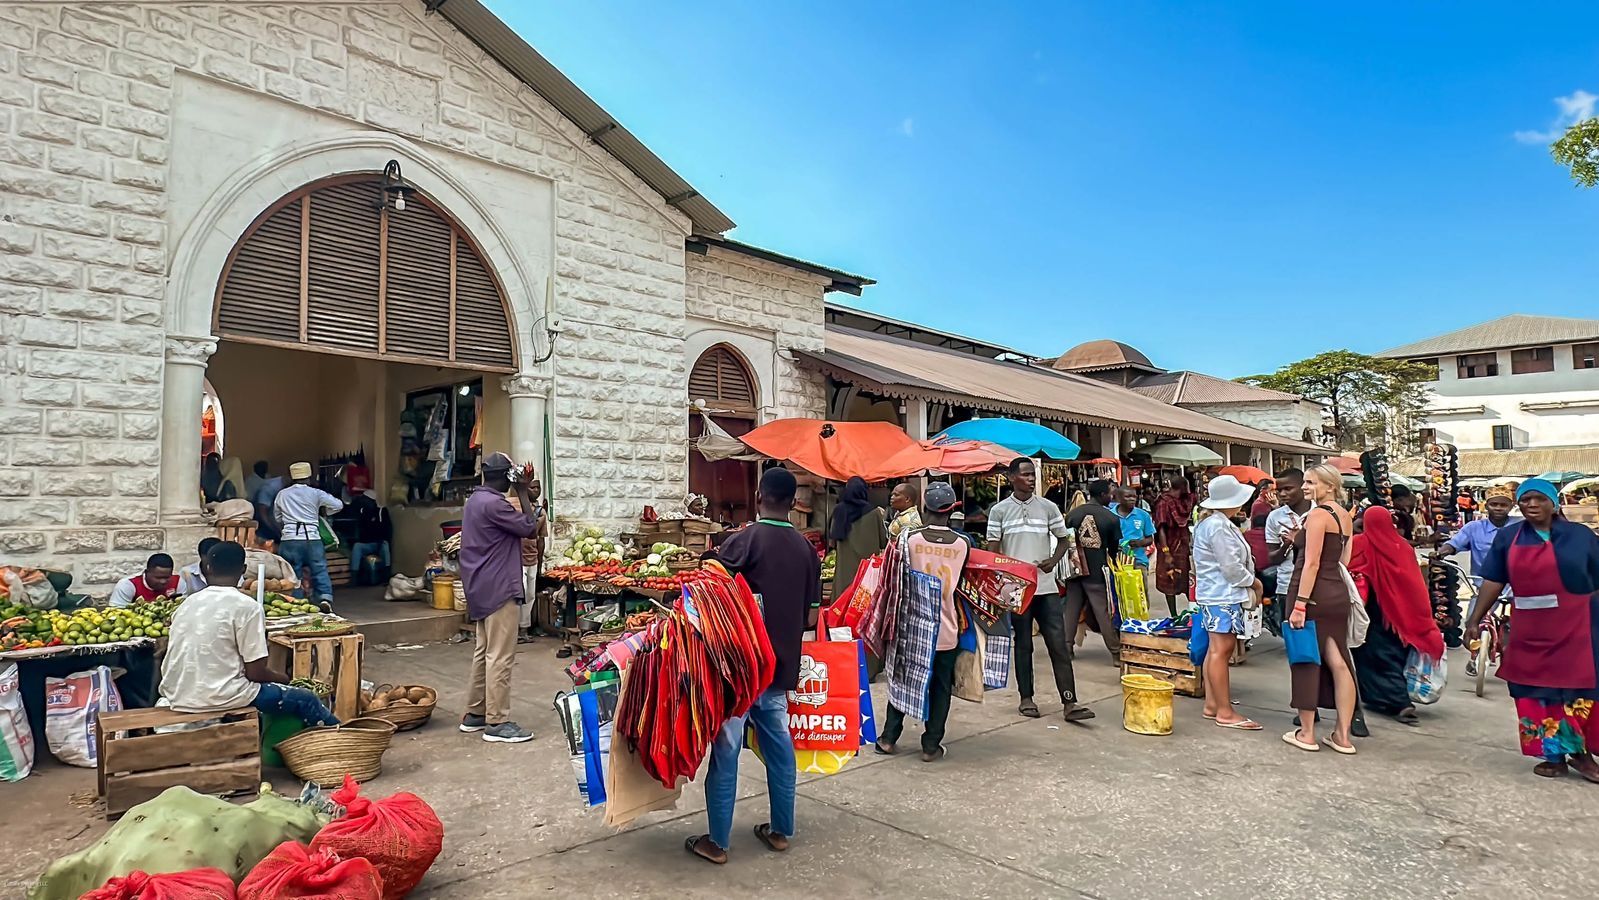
(339, 572)
(241, 532)
(1162, 657)
(136, 764)
(335, 660)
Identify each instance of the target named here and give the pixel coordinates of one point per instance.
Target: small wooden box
(339, 569)
(1162, 657)
(241, 532)
(335, 660)
(135, 764)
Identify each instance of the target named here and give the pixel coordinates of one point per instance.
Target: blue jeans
(293, 701)
(308, 555)
(769, 714)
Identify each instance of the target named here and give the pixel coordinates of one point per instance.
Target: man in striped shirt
(1028, 527)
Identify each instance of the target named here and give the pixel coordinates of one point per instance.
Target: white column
(1227, 454)
(530, 404)
(1270, 462)
(183, 389)
(916, 419)
(1110, 442)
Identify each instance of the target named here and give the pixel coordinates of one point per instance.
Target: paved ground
(1021, 808)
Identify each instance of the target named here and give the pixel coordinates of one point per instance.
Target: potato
(396, 693)
(402, 702)
(417, 694)
(378, 703)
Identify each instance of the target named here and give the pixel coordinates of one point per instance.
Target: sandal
(764, 832)
(1339, 748)
(692, 845)
(1241, 725)
(1408, 716)
(880, 750)
(1547, 769)
(1591, 776)
(1292, 739)
(935, 757)
(1028, 708)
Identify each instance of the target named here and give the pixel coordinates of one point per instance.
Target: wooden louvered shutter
(481, 337)
(261, 295)
(417, 301)
(343, 272)
(720, 379)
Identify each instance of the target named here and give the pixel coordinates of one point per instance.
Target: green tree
(1578, 150)
(1365, 395)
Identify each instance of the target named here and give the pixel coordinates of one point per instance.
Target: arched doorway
(722, 387)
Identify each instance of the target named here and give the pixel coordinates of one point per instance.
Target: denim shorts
(1222, 618)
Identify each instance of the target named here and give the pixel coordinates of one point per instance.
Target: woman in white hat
(1224, 583)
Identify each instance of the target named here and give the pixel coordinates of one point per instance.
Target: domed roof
(1105, 354)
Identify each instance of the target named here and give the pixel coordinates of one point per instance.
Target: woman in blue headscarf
(1551, 656)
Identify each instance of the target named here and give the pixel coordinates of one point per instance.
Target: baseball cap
(497, 462)
(940, 497)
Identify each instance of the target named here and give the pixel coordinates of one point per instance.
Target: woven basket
(404, 718)
(333, 630)
(325, 755)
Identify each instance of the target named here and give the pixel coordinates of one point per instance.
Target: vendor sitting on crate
(217, 650)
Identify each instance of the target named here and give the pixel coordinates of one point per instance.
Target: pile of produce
(402, 695)
(320, 688)
(829, 565)
(30, 629)
(280, 606)
(589, 545)
(637, 574)
(280, 585)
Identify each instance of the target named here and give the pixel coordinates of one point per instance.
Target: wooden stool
(136, 764)
(334, 660)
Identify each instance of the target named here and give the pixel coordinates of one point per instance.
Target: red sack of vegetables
(400, 835)
(291, 873)
(195, 884)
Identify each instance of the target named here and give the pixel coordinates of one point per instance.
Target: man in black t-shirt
(1099, 536)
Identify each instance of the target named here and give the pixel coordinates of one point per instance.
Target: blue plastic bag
(1302, 645)
(1198, 642)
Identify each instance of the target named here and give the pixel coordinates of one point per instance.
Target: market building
(1518, 395)
(383, 232)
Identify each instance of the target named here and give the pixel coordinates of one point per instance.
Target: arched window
(721, 378)
(331, 268)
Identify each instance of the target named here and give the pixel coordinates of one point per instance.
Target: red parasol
(1246, 474)
(833, 450)
(949, 457)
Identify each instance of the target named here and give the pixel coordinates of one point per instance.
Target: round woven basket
(335, 630)
(404, 718)
(325, 755)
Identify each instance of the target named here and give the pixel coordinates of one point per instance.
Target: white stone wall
(762, 309)
(1287, 419)
(87, 240)
(1502, 396)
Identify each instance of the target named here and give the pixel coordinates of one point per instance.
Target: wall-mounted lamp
(394, 187)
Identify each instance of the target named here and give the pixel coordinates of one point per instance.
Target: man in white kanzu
(217, 650)
(298, 508)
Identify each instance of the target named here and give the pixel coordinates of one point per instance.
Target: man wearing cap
(297, 509)
(1478, 535)
(491, 572)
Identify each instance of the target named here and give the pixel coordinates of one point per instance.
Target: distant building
(1117, 363)
(1520, 383)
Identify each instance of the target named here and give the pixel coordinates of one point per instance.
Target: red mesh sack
(292, 873)
(400, 835)
(195, 884)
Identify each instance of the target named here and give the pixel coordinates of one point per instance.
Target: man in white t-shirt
(1030, 528)
(217, 650)
(1282, 529)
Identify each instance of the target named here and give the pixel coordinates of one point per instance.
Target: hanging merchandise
(1374, 469)
(994, 586)
(1443, 581)
(1131, 597)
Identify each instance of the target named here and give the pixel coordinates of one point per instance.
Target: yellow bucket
(444, 592)
(1146, 704)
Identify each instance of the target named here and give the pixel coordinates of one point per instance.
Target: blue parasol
(1025, 438)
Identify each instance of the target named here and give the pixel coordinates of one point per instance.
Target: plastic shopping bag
(72, 705)
(850, 606)
(195, 884)
(1425, 677)
(1131, 597)
(16, 738)
(824, 709)
(586, 718)
(400, 834)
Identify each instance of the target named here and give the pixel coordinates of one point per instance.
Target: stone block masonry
(87, 98)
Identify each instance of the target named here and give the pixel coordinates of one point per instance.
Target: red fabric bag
(195, 884)
(400, 834)
(290, 873)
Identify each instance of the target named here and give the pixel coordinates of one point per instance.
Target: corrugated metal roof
(1510, 331)
(895, 367)
(847, 282)
(1197, 387)
(1521, 463)
(498, 40)
(860, 319)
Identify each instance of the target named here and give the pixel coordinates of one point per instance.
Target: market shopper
(1385, 567)
(1224, 587)
(781, 566)
(935, 550)
(533, 549)
(1137, 531)
(1320, 596)
(1478, 535)
(1282, 529)
(1028, 527)
(1173, 566)
(1551, 653)
(155, 581)
(856, 532)
(298, 510)
(191, 578)
(1098, 531)
(373, 530)
(217, 650)
(491, 574)
(1404, 500)
(906, 502)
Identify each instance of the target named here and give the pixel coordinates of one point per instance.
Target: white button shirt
(1224, 567)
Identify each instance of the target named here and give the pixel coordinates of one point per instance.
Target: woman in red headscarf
(1385, 567)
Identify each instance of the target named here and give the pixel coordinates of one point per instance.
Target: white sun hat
(1227, 492)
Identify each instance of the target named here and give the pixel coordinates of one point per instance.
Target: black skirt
(1380, 666)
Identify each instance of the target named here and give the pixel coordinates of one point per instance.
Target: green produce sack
(178, 831)
(330, 539)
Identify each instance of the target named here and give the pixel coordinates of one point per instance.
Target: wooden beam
(383, 279)
(305, 269)
(455, 246)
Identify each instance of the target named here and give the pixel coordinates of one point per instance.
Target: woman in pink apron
(1551, 658)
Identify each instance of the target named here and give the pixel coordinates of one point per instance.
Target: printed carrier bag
(816, 683)
(16, 738)
(587, 716)
(72, 704)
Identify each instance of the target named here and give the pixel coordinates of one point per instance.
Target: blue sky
(1206, 181)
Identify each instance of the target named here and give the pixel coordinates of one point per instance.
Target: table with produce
(606, 591)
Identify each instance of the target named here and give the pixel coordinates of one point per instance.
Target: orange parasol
(833, 450)
(948, 457)
(1345, 465)
(1246, 474)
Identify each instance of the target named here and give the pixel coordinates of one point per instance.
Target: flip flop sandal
(763, 831)
(881, 751)
(1336, 748)
(1029, 709)
(1242, 725)
(1410, 719)
(1292, 739)
(692, 843)
(935, 757)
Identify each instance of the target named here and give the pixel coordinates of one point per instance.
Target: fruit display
(402, 695)
(280, 606)
(829, 565)
(32, 629)
(278, 585)
(589, 545)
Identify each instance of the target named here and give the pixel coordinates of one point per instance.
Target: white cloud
(907, 126)
(1574, 108)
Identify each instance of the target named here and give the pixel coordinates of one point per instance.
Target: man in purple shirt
(491, 572)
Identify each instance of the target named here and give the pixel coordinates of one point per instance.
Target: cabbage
(653, 559)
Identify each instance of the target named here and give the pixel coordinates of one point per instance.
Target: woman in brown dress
(1319, 595)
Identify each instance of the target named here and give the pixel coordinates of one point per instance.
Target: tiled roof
(1095, 356)
(1510, 331)
(1197, 387)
